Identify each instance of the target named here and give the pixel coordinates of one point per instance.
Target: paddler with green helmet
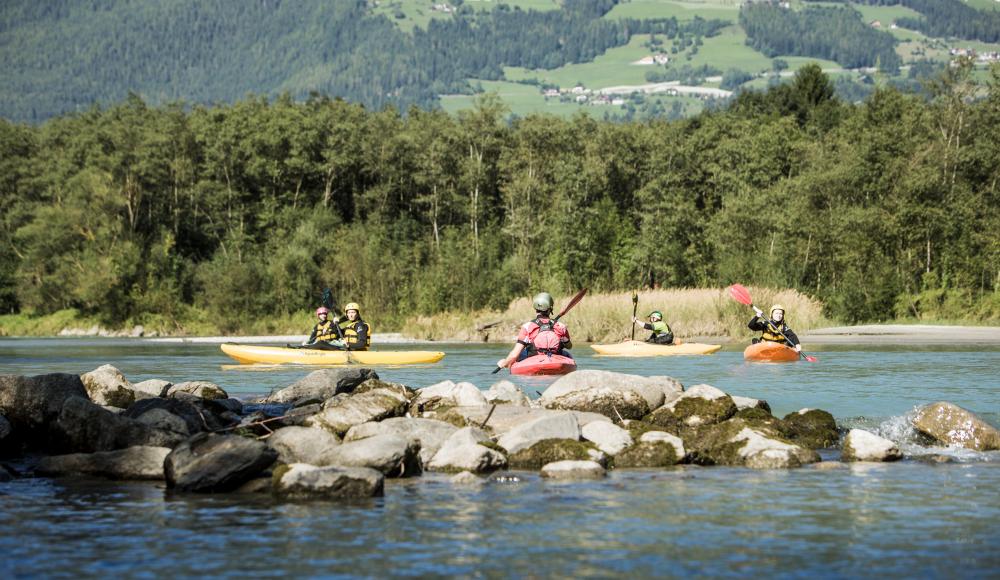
(661, 333)
(774, 329)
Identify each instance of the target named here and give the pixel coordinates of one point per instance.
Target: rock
(573, 470)
(318, 386)
(699, 405)
(468, 449)
(550, 450)
(302, 481)
(860, 445)
(429, 433)
(829, 465)
(200, 389)
(812, 428)
(524, 435)
(506, 417)
(447, 393)
(5, 428)
(345, 411)
(950, 424)
(466, 478)
(653, 436)
(654, 449)
(197, 414)
(614, 395)
(303, 445)
(735, 443)
(84, 426)
(106, 385)
(32, 404)
(138, 462)
(391, 455)
(260, 484)
(151, 388)
(5, 475)
(935, 458)
(748, 403)
(213, 463)
(507, 393)
(608, 437)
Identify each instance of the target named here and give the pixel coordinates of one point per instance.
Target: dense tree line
(832, 33)
(948, 18)
(162, 215)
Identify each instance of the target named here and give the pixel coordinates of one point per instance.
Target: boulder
(573, 470)
(5, 428)
(699, 405)
(653, 436)
(342, 412)
(468, 449)
(812, 428)
(450, 394)
(503, 418)
(525, 434)
(302, 481)
(550, 450)
(430, 434)
(734, 442)
(214, 463)
(138, 462)
(303, 445)
(608, 437)
(198, 414)
(200, 389)
(391, 455)
(106, 385)
(654, 449)
(614, 394)
(318, 386)
(32, 404)
(507, 393)
(749, 403)
(860, 445)
(950, 424)
(84, 426)
(151, 388)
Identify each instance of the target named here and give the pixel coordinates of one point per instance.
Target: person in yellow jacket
(357, 333)
(774, 329)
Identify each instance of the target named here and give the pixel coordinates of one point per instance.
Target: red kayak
(544, 364)
(765, 351)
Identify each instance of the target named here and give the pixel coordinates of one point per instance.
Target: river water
(913, 518)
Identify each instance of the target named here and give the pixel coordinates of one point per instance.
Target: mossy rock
(615, 405)
(692, 412)
(648, 454)
(550, 450)
(448, 414)
(372, 384)
(759, 417)
(637, 428)
(711, 445)
(494, 446)
(814, 429)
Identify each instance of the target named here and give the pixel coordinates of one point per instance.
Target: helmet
(352, 306)
(322, 310)
(657, 314)
(777, 307)
(542, 301)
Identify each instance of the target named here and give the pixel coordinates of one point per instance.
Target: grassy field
(984, 4)
(683, 11)
(609, 69)
(522, 4)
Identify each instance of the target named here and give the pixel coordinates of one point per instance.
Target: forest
(168, 215)
(948, 18)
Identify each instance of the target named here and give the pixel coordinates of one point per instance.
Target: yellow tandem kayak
(639, 348)
(249, 354)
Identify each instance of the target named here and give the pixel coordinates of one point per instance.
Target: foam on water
(912, 443)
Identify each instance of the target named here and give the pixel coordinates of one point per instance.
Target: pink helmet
(322, 310)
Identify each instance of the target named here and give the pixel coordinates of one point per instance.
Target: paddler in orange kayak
(541, 335)
(774, 329)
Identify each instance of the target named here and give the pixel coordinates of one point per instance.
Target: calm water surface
(900, 520)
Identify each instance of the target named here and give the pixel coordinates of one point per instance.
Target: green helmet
(543, 302)
(657, 314)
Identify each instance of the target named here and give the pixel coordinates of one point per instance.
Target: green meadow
(682, 11)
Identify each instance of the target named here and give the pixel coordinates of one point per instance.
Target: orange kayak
(770, 352)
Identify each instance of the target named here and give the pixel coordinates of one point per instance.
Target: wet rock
(528, 433)
(654, 436)
(303, 445)
(935, 458)
(32, 404)
(617, 405)
(106, 385)
(551, 450)
(860, 445)
(342, 412)
(302, 481)
(200, 389)
(5, 428)
(950, 424)
(573, 470)
(84, 426)
(392, 455)
(430, 434)
(138, 462)
(652, 451)
(468, 449)
(5, 475)
(466, 478)
(749, 403)
(735, 443)
(610, 394)
(198, 414)
(448, 393)
(812, 428)
(608, 437)
(507, 393)
(829, 465)
(699, 405)
(318, 386)
(215, 463)
(758, 417)
(261, 484)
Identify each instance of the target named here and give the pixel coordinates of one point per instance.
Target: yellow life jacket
(325, 331)
(351, 335)
(772, 334)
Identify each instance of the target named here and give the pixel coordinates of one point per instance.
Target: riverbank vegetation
(234, 216)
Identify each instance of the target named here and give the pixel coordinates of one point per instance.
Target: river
(913, 518)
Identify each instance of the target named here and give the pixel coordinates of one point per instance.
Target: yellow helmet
(777, 307)
(352, 306)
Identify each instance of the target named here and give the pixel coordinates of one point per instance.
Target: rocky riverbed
(339, 433)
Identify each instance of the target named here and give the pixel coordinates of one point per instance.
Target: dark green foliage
(949, 18)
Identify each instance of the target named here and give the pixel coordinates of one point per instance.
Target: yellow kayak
(639, 348)
(249, 354)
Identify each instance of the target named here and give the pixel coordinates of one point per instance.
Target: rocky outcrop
(653, 449)
(195, 413)
(507, 393)
(215, 463)
(735, 443)
(302, 481)
(608, 437)
(750, 403)
(812, 428)
(84, 426)
(448, 394)
(468, 449)
(525, 434)
(391, 455)
(318, 386)
(699, 405)
(32, 405)
(430, 434)
(860, 445)
(138, 462)
(200, 389)
(342, 412)
(303, 445)
(503, 418)
(151, 388)
(106, 385)
(950, 424)
(551, 450)
(615, 395)
(573, 470)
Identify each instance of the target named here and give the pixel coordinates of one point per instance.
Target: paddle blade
(635, 298)
(811, 358)
(740, 294)
(572, 303)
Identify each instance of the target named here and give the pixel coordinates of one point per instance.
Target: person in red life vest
(541, 335)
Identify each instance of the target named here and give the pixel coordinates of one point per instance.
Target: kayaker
(541, 335)
(661, 330)
(772, 329)
(357, 332)
(325, 333)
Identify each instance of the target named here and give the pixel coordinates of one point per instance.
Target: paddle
(328, 302)
(635, 308)
(742, 295)
(576, 299)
